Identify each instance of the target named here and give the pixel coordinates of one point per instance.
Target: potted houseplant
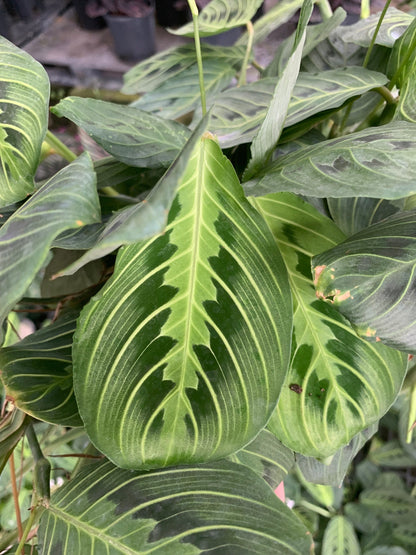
(131, 23)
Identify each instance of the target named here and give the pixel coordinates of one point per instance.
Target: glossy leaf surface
(370, 278)
(338, 384)
(37, 373)
(221, 15)
(132, 136)
(168, 351)
(24, 98)
(216, 508)
(69, 200)
(376, 162)
(238, 112)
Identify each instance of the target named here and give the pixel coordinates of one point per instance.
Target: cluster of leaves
(207, 333)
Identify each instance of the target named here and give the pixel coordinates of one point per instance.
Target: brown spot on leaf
(341, 297)
(370, 332)
(80, 223)
(317, 272)
(296, 388)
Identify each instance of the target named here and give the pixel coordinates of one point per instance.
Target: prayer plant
(229, 293)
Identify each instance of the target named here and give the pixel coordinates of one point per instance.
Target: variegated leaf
(160, 68)
(132, 136)
(370, 279)
(338, 384)
(37, 373)
(238, 112)
(68, 200)
(340, 538)
(24, 99)
(181, 94)
(393, 26)
(376, 162)
(168, 355)
(221, 15)
(216, 508)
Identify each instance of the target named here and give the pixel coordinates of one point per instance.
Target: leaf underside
(169, 353)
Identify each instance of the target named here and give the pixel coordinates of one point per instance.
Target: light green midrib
(187, 343)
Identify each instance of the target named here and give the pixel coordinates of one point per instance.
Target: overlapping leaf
(167, 355)
(24, 98)
(393, 26)
(132, 136)
(221, 15)
(238, 112)
(155, 71)
(138, 222)
(275, 16)
(218, 508)
(333, 473)
(376, 162)
(267, 457)
(354, 214)
(37, 373)
(181, 94)
(370, 278)
(68, 200)
(339, 537)
(12, 427)
(338, 384)
(271, 127)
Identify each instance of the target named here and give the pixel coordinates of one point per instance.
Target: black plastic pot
(84, 21)
(171, 13)
(134, 37)
(228, 38)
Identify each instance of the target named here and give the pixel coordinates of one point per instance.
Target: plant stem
(386, 94)
(376, 30)
(315, 508)
(194, 12)
(31, 521)
(15, 496)
(409, 54)
(243, 75)
(59, 147)
(365, 9)
(325, 9)
(412, 415)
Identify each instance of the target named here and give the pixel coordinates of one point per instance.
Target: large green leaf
(68, 200)
(394, 24)
(155, 71)
(133, 136)
(140, 221)
(376, 162)
(216, 508)
(370, 278)
(268, 457)
(221, 15)
(338, 384)
(24, 99)
(332, 473)
(271, 127)
(37, 373)
(340, 538)
(238, 112)
(169, 353)
(181, 94)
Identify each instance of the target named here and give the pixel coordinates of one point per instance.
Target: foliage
(219, 299)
